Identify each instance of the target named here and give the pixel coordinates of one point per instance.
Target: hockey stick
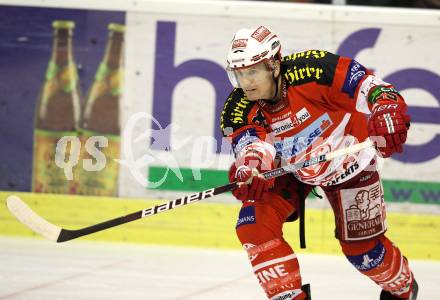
(57, 234)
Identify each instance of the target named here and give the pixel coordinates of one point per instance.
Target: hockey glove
(389, 120)
(252, 184)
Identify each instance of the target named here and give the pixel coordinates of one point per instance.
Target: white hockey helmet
(250, 47)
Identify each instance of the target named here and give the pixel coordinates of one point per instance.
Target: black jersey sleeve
(243, 123)
(235, 114)
(310, 66)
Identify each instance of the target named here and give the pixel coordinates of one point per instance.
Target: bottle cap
(63, 24)
(116, 27)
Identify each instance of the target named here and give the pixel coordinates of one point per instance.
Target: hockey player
(286, 109)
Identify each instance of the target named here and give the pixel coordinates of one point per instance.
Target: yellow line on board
(210, 225)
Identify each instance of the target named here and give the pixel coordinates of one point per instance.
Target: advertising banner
(61, 84)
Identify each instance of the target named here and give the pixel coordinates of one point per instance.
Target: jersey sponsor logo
(243, 139)
(298, 75)
(300, 117)
(235, 112)
(370, 260)
(306, 54)
(283, 116)
(363, 211)
(342, 175)
(282, 126)
(310, 66)
(261, 33)
(292, 146)
(271, 273)
(246, 216)
(354, 75)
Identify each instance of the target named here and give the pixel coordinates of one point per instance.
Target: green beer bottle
(57, 112)
(101, 118)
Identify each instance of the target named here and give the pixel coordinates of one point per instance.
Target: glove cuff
(382, 93)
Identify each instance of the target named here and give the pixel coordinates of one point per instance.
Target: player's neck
(279, 92)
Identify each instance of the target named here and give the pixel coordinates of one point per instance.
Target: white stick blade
(29, 218)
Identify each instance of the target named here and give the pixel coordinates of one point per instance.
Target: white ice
(34, 269)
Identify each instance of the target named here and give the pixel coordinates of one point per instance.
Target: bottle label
(47, 177)
(68, 77)
(107, 79)
(63, 78)
(102, 72)
(102, 182)
(52, 70)
(116, 82)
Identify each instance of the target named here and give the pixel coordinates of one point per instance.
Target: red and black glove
(389, 120)
(252, 184)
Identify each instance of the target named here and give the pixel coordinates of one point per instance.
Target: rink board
(207, 225)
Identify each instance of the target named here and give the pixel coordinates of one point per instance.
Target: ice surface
(34, 269)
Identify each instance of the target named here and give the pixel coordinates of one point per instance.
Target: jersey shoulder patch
(310, 66)
(235, 112)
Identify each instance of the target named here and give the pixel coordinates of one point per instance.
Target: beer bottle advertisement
(101, 118)
(57, 112)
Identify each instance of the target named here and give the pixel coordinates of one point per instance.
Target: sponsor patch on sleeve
(354, 76)
(246, 216)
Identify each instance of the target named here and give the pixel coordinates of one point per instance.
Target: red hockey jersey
(324, 107)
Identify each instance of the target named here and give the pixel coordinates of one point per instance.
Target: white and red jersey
(324, 107)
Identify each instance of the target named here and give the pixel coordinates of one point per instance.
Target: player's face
(256, 81)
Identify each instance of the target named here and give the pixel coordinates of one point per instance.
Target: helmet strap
(275, 80)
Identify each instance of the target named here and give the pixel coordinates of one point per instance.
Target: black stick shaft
(66, 235)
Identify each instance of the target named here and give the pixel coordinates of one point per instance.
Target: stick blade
(29, 218)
